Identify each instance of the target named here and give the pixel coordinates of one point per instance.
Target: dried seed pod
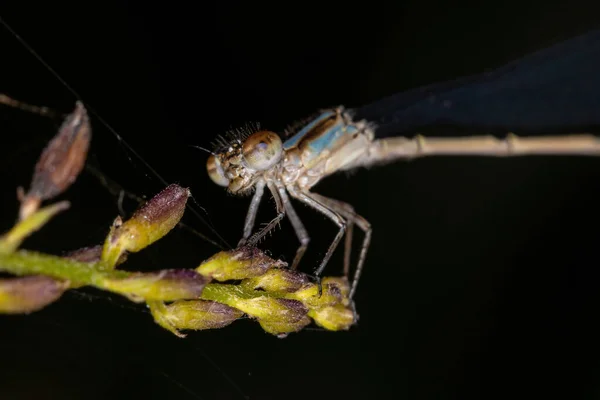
(60, 163)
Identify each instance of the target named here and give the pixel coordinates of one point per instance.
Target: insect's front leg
(284, 207)
(252, 211)
(254, 239)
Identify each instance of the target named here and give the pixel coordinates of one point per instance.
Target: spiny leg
(306, 198)
(254, 239)
(347, 211)
(252, 211)
(299, 228)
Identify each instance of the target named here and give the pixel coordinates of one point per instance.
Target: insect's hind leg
(347, 211)
(308, 199)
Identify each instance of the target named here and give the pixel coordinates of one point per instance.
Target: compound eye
(262, 150)
(215, 171)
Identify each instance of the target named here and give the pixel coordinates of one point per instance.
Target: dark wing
(553, 90)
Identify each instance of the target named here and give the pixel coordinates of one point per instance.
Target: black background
(482, 277)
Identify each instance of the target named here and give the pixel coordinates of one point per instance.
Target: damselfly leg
(284, 207)
(342, 214)
(352, 218)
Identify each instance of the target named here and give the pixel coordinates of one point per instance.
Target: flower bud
(282, 328)
(278, 280)
(270, 308)
(90, 254)
(148, 224)
(335, 291)
(164, 285)
(241, 263)
(28, 294)
(333, 318)
(201, 314)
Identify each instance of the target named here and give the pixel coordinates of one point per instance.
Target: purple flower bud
(85, 254)
(148, 224)
(30, 293)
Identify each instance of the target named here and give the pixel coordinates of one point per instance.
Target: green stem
(25, 262)
(29, 263)
(10, 241)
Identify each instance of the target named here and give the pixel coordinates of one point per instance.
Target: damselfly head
(240, 161)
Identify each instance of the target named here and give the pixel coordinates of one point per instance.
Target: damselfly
(551, 91)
